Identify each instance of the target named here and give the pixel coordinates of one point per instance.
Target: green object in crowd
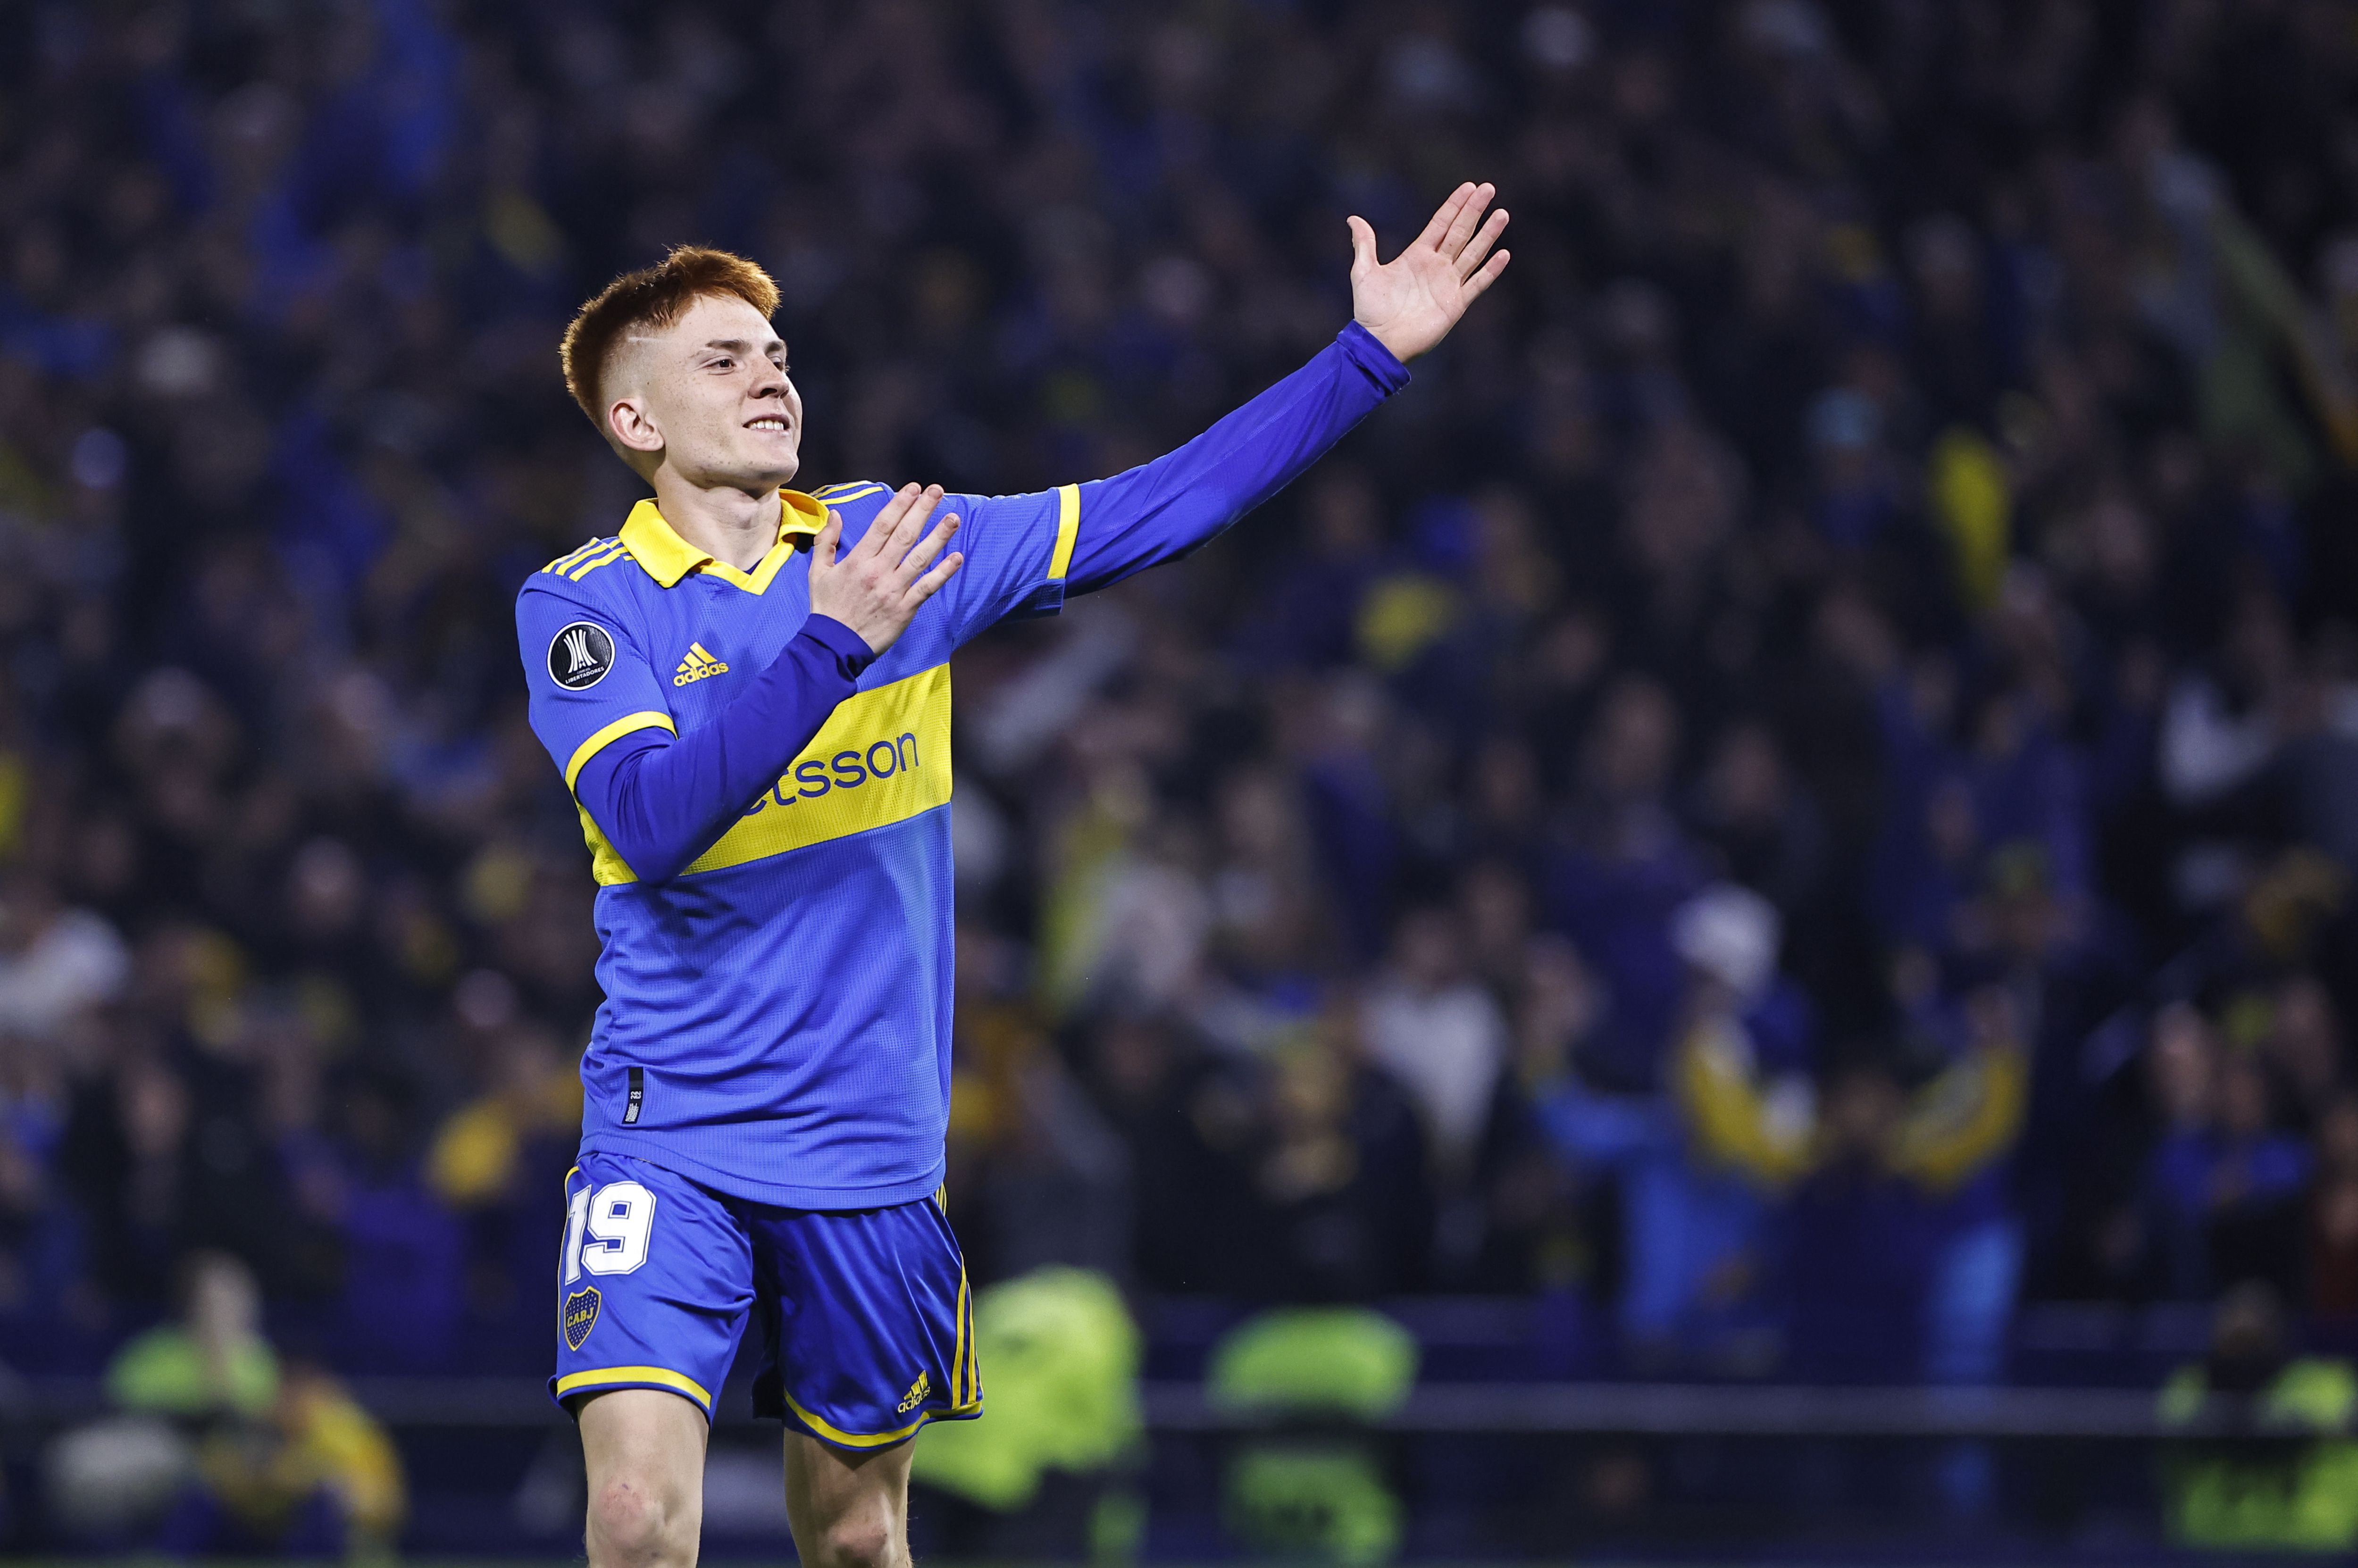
(1343, 1361)
(1058, 1359)
(1117, 1526)
(2285, 1495)
(167, 1372)
(1325, 1501)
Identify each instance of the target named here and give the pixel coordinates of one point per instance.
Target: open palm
(1411, 301)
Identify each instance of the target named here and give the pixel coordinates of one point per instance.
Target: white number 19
(607, 1232)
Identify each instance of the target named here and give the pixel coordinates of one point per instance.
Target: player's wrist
(850, 649)
(1375, 353)
(1399, 351)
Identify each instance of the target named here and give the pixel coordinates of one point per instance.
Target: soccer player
(759, 748)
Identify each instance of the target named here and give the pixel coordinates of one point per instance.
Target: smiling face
(707, 397)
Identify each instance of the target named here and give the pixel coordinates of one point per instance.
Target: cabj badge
(580, 1315)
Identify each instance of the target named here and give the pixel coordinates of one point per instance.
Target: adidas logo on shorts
(916, 1394)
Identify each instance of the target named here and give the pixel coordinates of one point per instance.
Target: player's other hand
(1411, 302)
(881, 581)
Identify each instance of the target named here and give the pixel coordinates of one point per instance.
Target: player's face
(714, 385)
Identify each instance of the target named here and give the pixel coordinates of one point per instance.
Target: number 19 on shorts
(607, 1231)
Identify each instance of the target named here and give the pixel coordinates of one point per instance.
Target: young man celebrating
(760, 749)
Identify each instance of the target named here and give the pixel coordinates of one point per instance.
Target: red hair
(651, 297)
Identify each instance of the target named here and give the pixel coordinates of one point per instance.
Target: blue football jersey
(777, 1014)
(776, 1021)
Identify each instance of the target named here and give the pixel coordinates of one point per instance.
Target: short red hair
(651, 297)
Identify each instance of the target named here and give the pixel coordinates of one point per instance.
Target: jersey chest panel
(882, 757)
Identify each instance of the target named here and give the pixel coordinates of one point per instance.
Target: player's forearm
(662, 801)
(1160, 511)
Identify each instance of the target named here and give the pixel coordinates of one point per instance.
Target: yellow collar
(667, 557)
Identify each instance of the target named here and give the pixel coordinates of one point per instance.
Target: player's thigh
(644, 1451)
(848, 1509)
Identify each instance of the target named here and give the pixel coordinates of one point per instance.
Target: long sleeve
(1160, 510)
(661, 800)
(1025, 554)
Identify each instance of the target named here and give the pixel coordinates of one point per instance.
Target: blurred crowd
(1800, 786)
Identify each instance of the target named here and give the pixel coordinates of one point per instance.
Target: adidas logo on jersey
(698, 665)
(916, 1394)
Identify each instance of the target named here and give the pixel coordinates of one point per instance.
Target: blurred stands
(1792, 794)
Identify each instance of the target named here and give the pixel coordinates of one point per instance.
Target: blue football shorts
(867, 1331)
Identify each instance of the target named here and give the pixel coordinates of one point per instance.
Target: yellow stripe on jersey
(882, 757)
(607, 867)
(608, 557)
(610, 734)
(1068, 529)
(854, 491)
(581, 557)
(566, 562)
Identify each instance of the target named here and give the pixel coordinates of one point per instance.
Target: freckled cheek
(718, 411)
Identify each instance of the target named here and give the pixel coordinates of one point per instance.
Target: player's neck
(723, 522)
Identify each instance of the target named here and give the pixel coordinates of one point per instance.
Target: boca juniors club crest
(580, 1315)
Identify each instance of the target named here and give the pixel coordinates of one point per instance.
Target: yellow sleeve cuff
(623, 726)
(1068, 529)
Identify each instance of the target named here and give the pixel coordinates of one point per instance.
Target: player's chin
(771, 459)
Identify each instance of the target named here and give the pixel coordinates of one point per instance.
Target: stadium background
(1782, 819)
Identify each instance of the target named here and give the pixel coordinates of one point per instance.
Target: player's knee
(633, 1527)
(866, 1541)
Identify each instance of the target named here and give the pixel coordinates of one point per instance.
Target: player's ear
(632, 426)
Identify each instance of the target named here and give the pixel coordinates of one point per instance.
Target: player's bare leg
(849, 1510)
(645, 1453)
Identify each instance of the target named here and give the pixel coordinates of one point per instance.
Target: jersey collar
(667, 557)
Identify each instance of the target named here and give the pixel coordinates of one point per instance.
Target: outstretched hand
(881, 581)
(1411, 302)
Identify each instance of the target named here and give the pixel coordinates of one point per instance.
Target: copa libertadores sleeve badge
(579, 655)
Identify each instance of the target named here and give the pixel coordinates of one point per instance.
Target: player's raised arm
(1027, 553)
